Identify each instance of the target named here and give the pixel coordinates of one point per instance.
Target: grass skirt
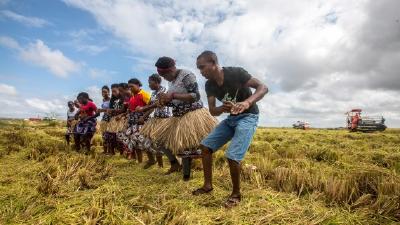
(183, 134)
(117, 124)
(150, 129)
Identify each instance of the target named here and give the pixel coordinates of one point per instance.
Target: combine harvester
(356, 122)
(301, 125)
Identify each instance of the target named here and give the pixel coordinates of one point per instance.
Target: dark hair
(105, 87)
(123, 85)
(165, 62)
(114, 86)
(156, 78)
(83, 95)
(70, 103)
(135, 81)
(210, 56)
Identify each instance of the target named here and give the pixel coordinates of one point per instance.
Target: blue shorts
(237, 129)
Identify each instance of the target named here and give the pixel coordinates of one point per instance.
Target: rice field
(289, 177)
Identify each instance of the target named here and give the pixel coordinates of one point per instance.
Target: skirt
(151, 142)
(117, 124)
(183, 134)
(131, 137)
(85, 127)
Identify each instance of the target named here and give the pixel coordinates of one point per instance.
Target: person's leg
(215, 140)
(159, 160)
(151, 161)
(87, 142)
(244, 131)
(139, 155)
(207, 167)
(234, 168)
(175, 167)
(67, 138)
(186, 167)
(105, 144)
(77, 139)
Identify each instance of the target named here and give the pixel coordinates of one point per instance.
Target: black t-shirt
(116, 103)
(233, 87)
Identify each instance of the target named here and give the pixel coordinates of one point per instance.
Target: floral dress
(131, 138)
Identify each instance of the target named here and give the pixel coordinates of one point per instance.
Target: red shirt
(89, 109)
(140, 99)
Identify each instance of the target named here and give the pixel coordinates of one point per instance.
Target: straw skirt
(183, 134)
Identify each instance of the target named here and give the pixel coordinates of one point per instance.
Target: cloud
(103, 74)
(18, 106)
(9, 43)
(83, 39)
(91, 49)
(25, 20)
(320, 58)
(6, 89)
(38, 53)
(45, 105)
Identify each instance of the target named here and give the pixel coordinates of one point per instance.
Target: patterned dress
(131, 137)
(86, 126)
(185, 83)
(159, 113)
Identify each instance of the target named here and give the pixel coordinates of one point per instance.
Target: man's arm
(261, 90)
(216, 111)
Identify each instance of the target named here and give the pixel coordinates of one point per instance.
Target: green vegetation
(289, 177)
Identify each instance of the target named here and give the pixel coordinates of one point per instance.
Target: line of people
(174, 122)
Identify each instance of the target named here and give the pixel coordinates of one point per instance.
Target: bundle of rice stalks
(47, 184)
(186, 132)
(117, 124)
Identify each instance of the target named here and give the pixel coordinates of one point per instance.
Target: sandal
(201, 191)
(232, 202)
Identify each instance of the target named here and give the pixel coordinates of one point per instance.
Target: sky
(318, 58)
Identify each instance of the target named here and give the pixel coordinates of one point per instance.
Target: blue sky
(101, 59)
(311, 54)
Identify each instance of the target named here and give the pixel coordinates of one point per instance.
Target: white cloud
(91, 49)
(53, 60)
(6, 89)
(45, 105)
(320, 58)
(38, 53)
(25, 20)
(9, 43)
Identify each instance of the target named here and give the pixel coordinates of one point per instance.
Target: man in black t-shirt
(231, 86)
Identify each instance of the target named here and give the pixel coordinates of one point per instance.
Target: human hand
(240, 107)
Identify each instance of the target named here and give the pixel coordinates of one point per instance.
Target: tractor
(301, 125)
(356, 122)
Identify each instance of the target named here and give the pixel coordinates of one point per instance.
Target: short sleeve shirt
(233, 88)
(184, 83)
(140, 99)
(89, 108)
(160, 112)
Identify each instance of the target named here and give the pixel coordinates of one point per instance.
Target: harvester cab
(356, 122)
(301, 125)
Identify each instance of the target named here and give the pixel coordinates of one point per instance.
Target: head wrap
(165, 65)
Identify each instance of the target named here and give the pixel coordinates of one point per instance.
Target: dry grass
(289, 177)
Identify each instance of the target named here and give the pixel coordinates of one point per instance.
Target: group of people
(174, 122)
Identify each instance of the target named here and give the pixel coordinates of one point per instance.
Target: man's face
(115, 92)
(206, 68)
(134, 88)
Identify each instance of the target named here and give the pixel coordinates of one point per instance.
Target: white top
(71, 115)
